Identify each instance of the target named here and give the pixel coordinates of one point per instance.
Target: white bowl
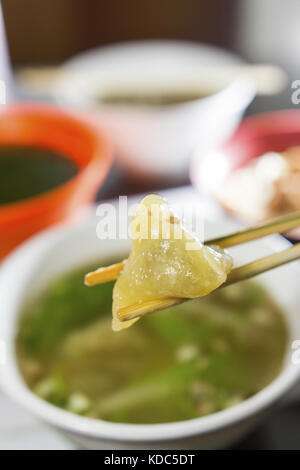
(156, 141)
(44, 257)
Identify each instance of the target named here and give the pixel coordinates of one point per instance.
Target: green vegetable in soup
(28, 171)
(189, 361)
(69, 305)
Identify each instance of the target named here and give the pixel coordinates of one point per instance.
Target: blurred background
(52, 31)
(48, 33)
(39, 36)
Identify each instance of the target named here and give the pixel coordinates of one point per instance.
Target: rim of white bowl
(82, 68)
(14, 386)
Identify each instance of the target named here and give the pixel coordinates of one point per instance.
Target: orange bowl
(66, 133)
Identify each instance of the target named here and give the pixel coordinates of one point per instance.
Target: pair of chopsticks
(268, 79)
(279, 225)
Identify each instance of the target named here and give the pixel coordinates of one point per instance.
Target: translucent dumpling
(165, 261)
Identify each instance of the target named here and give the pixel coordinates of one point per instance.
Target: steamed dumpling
(165, 261)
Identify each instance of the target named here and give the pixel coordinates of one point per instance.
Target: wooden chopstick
(278, 225)
(140, 310)
(268, 79)
(106, 274)
(262, 265)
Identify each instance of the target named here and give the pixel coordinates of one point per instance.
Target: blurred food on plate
(255, 175)
(270, 185)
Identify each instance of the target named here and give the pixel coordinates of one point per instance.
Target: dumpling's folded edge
(149, 263)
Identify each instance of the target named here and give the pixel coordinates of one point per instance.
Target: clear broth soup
(189, 361)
